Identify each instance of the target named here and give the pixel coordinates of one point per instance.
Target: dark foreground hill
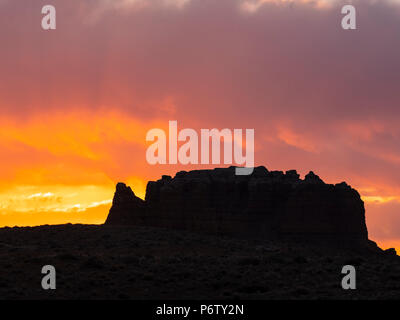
(126, 262)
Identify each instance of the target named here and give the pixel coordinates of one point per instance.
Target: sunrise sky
(76, 102)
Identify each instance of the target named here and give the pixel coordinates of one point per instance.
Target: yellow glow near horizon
(379, 199)
(63, 167)
(59, 204)
(37, 205)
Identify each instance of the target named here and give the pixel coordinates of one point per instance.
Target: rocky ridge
(263, 205)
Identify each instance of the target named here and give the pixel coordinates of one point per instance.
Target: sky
(76, 102)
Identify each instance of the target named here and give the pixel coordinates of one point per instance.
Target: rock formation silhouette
(265, 204)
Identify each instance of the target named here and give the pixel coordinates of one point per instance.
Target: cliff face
(263, 205)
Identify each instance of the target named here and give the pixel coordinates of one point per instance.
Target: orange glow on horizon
(63, 167)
